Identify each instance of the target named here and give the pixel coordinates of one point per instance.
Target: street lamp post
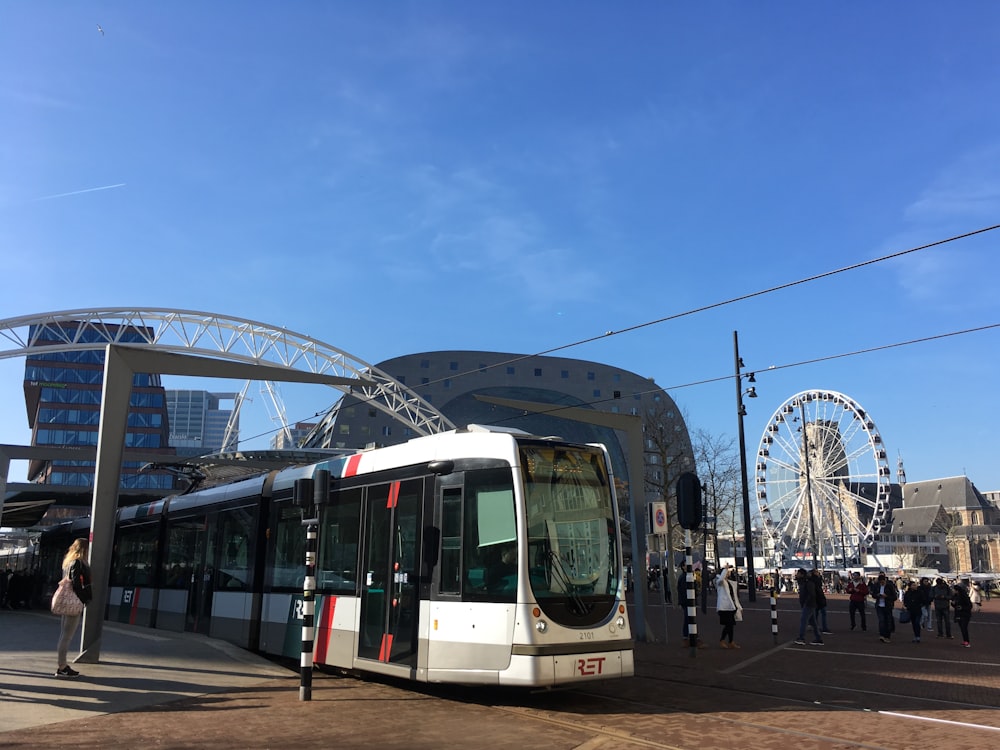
(740, 413)
(809, 494)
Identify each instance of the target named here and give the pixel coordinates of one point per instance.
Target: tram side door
(391, 566)
(201, 545)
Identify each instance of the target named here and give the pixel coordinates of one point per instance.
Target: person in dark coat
(885, 594)
(913, 602)
(807, 601)
(942, 607)
(963, 611)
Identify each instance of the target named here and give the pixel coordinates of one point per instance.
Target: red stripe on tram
(386, 648)
(393, 495)
(135, 607)
(324, 630)
(352, 465)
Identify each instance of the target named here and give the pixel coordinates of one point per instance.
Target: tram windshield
(572, 543)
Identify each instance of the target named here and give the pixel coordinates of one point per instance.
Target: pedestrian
(820, 602)
(807, 603)
(76, 569)
(728, 605)
(857, 589)
(927, 591)
(976, 597)
(963, 611)
(913, 605)
(885, 594)
(942, 607)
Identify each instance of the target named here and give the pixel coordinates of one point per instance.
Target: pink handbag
(65, 601)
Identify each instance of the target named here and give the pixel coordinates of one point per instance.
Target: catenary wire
(723, 303)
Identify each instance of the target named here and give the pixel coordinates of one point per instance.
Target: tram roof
(26, 503)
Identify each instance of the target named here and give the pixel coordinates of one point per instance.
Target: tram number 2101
(590, 667)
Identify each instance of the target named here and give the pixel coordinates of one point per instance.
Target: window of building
(425, 364)
(538, 372)
(510, 370)
(591, 376)
(564, 374)
(597, 393)
(453, 366)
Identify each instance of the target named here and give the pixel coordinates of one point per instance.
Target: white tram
(476, 556)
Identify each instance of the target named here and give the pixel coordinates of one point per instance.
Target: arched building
(451, 380)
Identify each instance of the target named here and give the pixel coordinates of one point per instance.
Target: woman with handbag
(728, 605)
(69, 600)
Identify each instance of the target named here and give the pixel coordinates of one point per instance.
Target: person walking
(927, 591)
(942, 607)
(963, 611)
(74, 567)
(976, 597)
(817, 580)
(857, 590)
(728, 605)
(807, 601)
(885, 594)
(913, 604)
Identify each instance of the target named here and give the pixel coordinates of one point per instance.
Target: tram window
(451, 540)
(182, 560)
(489, 536)
(338, 544)
(288, 566)
(135, 555)
(234, 566)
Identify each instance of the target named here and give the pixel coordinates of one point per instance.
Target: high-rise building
(62, 392)
(198, 422)
(298, 433)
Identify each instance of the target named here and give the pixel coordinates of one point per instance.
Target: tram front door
(389, 596)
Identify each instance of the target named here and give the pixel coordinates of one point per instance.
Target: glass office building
(198, 422)
(62, 393)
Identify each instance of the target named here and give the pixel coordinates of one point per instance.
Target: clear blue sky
(396, 177)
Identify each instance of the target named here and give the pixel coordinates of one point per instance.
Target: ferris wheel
(829, 508)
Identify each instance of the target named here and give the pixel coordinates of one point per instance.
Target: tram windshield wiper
(560, 575)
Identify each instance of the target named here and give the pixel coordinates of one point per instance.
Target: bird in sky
(100, 29)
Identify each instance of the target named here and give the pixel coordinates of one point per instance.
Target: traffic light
(689, 501)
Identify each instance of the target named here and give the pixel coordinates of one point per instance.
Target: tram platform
(174, 690)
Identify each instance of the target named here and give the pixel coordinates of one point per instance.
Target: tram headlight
(541, 626)
(620, 622)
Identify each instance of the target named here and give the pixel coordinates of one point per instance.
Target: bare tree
(719, 470)
(668, 454)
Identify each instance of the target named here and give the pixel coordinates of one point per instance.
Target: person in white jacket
(728, 605)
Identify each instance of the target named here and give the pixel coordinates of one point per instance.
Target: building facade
(452, 380)
(62, 393)
(199, 420)
(945, 524)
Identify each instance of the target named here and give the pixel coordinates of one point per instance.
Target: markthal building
(457, 382)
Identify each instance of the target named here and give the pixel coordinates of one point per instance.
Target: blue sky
(407, 176)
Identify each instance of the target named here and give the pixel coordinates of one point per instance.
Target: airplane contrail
(78, 192)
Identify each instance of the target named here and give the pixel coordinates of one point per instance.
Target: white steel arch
(220, 337)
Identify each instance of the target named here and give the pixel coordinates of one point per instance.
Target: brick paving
(848, 693)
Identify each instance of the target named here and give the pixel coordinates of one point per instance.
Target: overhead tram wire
(759, 372)
(772, 368)
(724, 303)
(741, 298)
